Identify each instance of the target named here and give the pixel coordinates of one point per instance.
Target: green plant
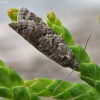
(13, 87)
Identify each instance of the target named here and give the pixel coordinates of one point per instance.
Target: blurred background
(80, 17)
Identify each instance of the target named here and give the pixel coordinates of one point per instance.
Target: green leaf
(51, 16)
(9, 78)
(98, 86)
(27, 83)
(15, 79)
(5, 92)
(49, 23)
(58, 22)
(7, 99)
(78, 89)
(40, 84)
(80, 54)
(20, 93)
(55, 24)
(65, 85)
(68, 39)
(57, 29)
(1, 63)
(94, 94)
(45, 93)
(4, 77)
(83, 97)
(88, 80)
(32, 95)
(90, 71)
(13, 13)
(63, 95)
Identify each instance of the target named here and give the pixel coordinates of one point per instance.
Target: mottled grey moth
(43, 38)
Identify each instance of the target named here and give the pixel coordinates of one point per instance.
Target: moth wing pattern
(43, 38)
(24, 14)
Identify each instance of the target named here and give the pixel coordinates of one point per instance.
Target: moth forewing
(43, 38)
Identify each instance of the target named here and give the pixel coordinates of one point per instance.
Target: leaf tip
(51, 16)
(12, 13)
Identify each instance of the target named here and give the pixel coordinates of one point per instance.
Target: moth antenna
(85, 47)
(74, 67)
(63, 80)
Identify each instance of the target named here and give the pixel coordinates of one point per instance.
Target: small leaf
(68, 39)
(13, 13)
(55, 24)
(94, 94)
(7, 99)
(45, 82)
(49, 23)
(97, 71)
(20, 93)
(58, 22)
(32, 95)
(15, 79)
(90, 71)
(9, 78)
(5, 92)
(78, 89)
(27, 83)
(83, 97)
(80, 54)
(98, 86)
(88, 80)
(63, 95)
(65, 85)
(40, 84)
(45, 93)
(57, 29)
(51, 16)
(4, 77)
(1, 63)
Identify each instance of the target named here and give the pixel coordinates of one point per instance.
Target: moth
(43, 38)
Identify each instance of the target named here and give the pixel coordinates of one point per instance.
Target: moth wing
(26, 15)
(23, 14)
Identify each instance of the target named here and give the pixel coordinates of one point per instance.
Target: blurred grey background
(80, 17)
